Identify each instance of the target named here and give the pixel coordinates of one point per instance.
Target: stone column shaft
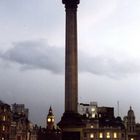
(71, 74)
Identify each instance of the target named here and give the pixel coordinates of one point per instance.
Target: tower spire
(50, 119)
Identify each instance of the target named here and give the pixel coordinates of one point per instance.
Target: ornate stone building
(132, 128)
(100, 123)
(21, 127)
(5, 121)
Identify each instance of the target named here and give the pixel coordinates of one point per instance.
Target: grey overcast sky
(32, 54)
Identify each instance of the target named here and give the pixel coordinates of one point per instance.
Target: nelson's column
(71, 123)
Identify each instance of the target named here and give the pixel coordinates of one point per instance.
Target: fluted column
(71, 66)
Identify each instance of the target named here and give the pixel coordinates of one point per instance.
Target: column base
(70, 119)
(71, 125)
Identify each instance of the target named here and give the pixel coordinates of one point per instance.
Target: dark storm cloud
(109, 65)
(36, 54)
(39, 55)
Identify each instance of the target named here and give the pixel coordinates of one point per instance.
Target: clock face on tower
(49, 119)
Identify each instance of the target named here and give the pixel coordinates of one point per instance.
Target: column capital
(71, 3)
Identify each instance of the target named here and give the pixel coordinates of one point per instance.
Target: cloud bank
(39, 55)
(36, 55)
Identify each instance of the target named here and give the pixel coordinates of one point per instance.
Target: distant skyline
(32, 47)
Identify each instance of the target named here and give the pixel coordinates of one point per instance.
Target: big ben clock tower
(50, 120)
(71, 121)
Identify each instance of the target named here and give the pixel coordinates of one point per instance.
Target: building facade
(100, 123)
(21, 127)
(5, 121)
(132, 128)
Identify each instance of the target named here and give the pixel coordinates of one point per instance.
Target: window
(85, 134)
(100, 135)
(122, 135)
(3, 127)
(91, 126)
(133, 129)
(4, 118)
(108, 135)
(92, 109)
(130, 128)
(93, 115)
(91, 135)
(115, 135)
(18, 137)
(4, 109)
